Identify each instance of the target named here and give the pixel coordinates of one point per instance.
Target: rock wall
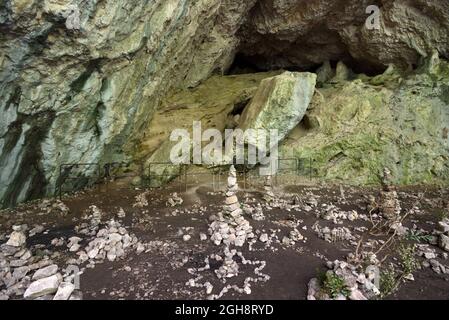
(356, 128)
(305, 33)
(81, 79)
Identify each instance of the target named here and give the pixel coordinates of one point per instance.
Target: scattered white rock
(43, 287)
(64, 291)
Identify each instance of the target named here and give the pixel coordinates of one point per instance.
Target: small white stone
(64, 291)
(264, 237)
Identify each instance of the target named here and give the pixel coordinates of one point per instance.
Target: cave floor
(161, 272)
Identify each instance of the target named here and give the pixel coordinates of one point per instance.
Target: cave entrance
(295, 49)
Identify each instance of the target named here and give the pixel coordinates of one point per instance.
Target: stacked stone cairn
(389, 204)
(230, 227)
(268, 188)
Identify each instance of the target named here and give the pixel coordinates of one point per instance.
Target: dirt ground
(161, 273)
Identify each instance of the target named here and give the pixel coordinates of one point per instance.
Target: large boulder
(280, 103)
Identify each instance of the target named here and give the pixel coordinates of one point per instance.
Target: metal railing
(154, 178)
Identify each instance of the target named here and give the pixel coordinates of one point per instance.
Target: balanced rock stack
(389, 204)
(230, 227)
(268, 187)
(232, 205)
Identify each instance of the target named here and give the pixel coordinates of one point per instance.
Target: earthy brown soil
(163, 274)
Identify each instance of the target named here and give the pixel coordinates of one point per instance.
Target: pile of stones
(230, 227)
(332, 213)
(141, 200)
(430, 255)
(255, 212)
(230, 267)
(110, 242)
(358, 285)
(334, 234)
(53, 207)
(389, 205)
(31, 276)
(174, 200)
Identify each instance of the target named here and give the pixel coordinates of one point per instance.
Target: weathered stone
(357, 295)
(43, 287)
(64, 291)
(16, 239)
(45, 272)
(279, 103)
(20, 272)
(444, 242)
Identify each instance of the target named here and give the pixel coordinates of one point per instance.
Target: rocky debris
(36, 230)
(73, 244)
(187, 237)
(357, 284)
(174, 200)
(110, 242)
(64, 292)
(229, 269)
(334, 234)
(141, 200)
(436, 266)
(230, 227)
(332, 213)
(121, 213)
(43, 287)
(255, 212)
(389, 205)
(53, 207)
(57, 242)
(296, 236)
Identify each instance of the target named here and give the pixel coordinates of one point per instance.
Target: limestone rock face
(392, 120)
(280, 103)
